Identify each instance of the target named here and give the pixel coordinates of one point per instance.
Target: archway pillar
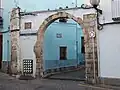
(91, 58)
(38, 49)
(15, 41)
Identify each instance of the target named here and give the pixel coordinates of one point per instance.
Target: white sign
(59, 35)
(92, 34)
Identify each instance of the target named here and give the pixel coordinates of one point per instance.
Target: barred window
(28, 25)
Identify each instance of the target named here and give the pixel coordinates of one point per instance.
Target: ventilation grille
(27, 66)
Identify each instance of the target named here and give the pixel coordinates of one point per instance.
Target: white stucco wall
(27, 46)
(109, 43)
(40, 17)
(110, 51)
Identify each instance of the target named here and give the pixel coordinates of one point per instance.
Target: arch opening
(62, 50)
(38, 48)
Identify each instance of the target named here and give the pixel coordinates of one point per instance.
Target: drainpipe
(94, 59)
(77, 45)
(76, 3)
(8, 56)
(20, 62)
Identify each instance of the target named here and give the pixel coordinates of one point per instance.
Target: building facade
(6, 49)
(20, 58)
(8, 5)
(63, 43)
(108, 53)
(108, 40)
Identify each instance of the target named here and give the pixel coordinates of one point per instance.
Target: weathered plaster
(14, 52)
(91, 61)
(15, 45)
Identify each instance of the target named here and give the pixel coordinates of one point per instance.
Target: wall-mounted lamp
(95, 4)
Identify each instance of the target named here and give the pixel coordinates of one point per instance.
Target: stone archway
(88, 24)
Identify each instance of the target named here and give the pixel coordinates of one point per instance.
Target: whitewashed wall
(40, 17)
(109, 42)
(27, 46)
(110, 51)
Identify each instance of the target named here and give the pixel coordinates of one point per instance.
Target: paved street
(10, 83)
(78, 74)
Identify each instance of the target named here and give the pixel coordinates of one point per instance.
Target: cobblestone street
(10, 83)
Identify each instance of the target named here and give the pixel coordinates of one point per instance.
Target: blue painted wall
(6, 47)
(71, 33)
(7, 5)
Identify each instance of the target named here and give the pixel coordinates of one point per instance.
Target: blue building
(6, 7)
(63, 45)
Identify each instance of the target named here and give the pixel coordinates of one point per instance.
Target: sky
(35, 5)
(31, 5)
(45, 4)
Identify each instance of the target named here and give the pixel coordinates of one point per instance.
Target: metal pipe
(94, 58)
(7, 56)
(77, 45)
(76, 3)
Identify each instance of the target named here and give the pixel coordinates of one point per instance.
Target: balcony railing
(115, 10)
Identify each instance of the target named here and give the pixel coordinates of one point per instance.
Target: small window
(28, 25)
(63, 53)
(82, 45)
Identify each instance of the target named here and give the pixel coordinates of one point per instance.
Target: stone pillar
(15, 47)
(38, 49)
(14, 51)
(91, 58)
